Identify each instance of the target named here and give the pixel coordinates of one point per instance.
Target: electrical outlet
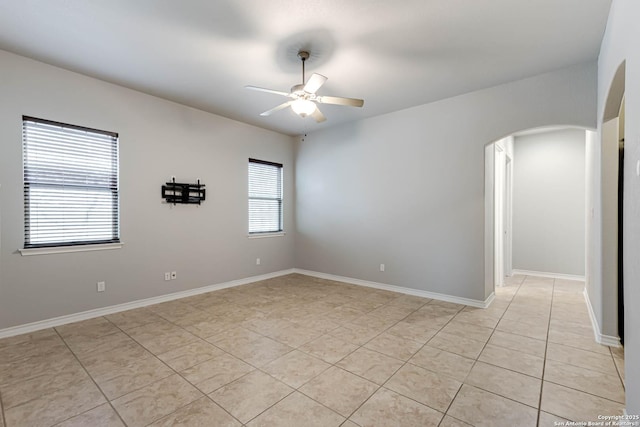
(101, 286)
(167, 276)
(174, 275)
(257, 261)
(381, 267)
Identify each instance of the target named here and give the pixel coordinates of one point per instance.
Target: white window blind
(265, 197)
(70, 184)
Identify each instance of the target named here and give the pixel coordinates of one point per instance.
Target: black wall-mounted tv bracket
(176, 192)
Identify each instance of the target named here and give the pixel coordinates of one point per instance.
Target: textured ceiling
(393, 54)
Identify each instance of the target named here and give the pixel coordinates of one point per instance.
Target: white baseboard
(89, 314)
(607, 340)
(393, 288)
(547, 274)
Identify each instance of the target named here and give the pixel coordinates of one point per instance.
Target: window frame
(111, 189)
(267, 233)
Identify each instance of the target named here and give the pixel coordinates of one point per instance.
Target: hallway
(581, 379)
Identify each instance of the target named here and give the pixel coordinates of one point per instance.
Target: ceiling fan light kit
(303, 107)
(304, 97)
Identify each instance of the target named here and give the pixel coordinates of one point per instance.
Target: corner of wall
(600, 338)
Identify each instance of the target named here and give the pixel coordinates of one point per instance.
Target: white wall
(549, 202)
(593, 221)
(489, 223)
(407, 188)
(502, 209)
(205, 245)
(609, 179)
(620, 43)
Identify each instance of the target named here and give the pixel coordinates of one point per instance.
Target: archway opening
(605, 286)
(535, 210)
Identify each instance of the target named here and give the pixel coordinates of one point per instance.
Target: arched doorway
(605, 284)
(537, 229)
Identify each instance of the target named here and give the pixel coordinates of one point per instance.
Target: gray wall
(549, 202)
(407, 189)
(620, 43)
(205, 245)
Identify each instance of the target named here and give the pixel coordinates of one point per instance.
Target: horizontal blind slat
(265, 196)
(70, 184)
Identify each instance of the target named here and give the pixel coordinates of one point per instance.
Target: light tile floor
(301, 351)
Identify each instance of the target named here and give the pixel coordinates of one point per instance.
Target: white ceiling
(393, 54)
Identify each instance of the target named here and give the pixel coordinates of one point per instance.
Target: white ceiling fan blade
(315, 82)
(317, 114)
(278, 108)
(261, 89)
(336, 100)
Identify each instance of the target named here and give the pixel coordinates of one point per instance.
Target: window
(265, 197)
(70, 184)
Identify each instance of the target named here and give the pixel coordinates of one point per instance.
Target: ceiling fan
(303, 96)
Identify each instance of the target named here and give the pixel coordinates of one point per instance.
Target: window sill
(265, 235)
(68, 249)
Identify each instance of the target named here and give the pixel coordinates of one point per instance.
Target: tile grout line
(462, 382)
(3, 419)
(171, 368)
(562, 385)
(404, 364)
(408, 362)
(544, 361)
(590, 369)
(513, 297)
(479, 354)
(293, 390)
(92, 380)
(618, 369)
(334, 365)
(546, 347)
(584, 392)
(255, 367)
(155, 356)
(328, 333)
(487, 342)
(379, 386)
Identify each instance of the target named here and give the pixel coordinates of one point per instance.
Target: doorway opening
(607, 289)
(503, 152)
(535, 188)
(620, 222)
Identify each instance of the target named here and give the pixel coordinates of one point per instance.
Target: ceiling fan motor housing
(298, 89)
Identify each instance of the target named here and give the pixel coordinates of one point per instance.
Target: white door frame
(499, 214)
(508, 217)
